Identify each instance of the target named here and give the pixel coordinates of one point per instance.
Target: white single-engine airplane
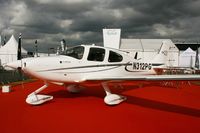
(93, 63)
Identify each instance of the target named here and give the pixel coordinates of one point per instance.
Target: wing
(149, 77)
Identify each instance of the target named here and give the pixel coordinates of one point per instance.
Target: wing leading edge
(149, 78)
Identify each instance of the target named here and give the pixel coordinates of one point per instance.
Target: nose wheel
(36, 99)
(112, 99)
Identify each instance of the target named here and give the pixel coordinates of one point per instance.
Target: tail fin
(162, 56)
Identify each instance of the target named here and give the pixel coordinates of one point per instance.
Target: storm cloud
(82, 21)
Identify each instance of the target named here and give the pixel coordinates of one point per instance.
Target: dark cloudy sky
(81, 21)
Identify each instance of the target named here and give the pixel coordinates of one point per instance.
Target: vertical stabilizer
(162, 56)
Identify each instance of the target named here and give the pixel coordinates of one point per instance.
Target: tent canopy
(8, 52)
(188, 52)
(11, 47)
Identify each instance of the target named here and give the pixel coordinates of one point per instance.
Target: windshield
(75, 52)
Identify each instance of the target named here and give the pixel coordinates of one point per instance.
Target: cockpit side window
(96, 54)
(75, 52)
(114, 57)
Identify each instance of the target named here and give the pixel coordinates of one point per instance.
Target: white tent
(8, 52)
(187, 58)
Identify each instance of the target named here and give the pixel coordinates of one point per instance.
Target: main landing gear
(36, 99)
(112, 99)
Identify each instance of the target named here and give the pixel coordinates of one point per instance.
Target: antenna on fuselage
(136, 55)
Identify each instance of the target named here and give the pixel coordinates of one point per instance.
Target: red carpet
(149, 108)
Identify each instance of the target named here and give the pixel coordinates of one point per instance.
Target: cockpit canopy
(95, 54)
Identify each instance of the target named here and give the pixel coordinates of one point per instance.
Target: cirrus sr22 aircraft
(93, 63)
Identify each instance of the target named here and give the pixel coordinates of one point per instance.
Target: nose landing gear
(36, 99)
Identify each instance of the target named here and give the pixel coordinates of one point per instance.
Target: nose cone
(13, 65)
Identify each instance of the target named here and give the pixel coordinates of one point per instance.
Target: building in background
(111, 38)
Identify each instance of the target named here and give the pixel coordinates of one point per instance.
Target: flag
(19, 53)
(63, 45)
(36, 49)
(197, 59)
(4, 41)
(0, 41)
